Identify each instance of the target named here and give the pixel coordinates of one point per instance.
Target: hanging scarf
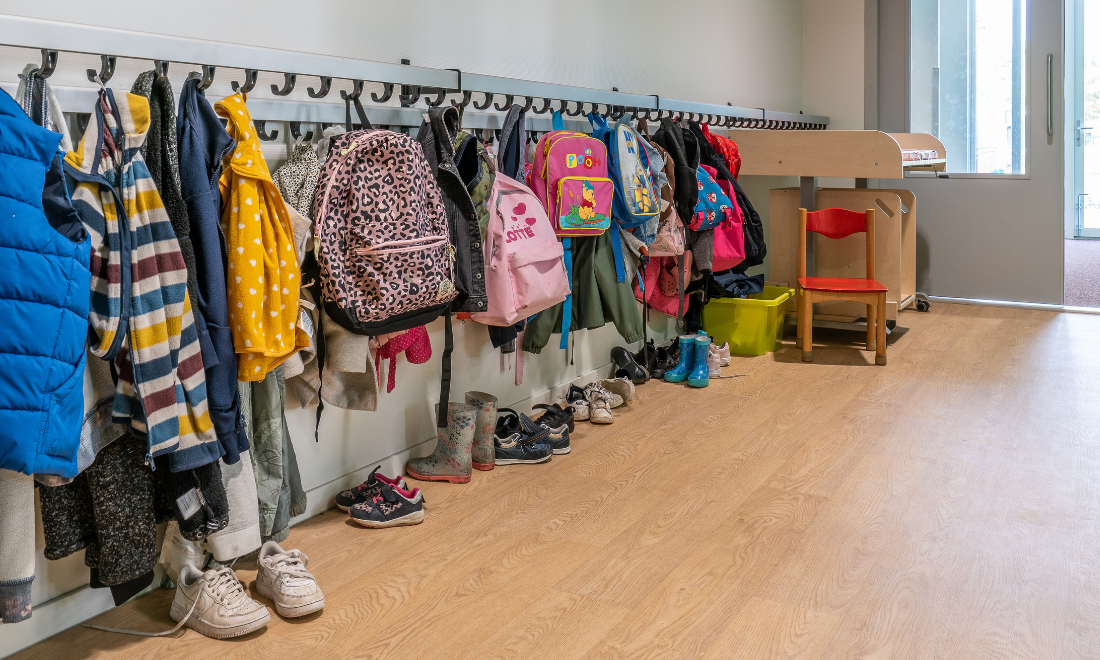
(140, 314)
(264, 271)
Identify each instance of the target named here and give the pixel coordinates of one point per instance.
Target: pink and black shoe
(367, 490)
(392, 507)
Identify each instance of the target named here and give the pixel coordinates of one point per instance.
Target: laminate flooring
(944, 506)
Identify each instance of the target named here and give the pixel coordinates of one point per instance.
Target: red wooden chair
(839, 223)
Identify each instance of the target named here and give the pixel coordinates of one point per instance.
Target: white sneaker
(619, 386)
(599, 406)
(613, 400)
(580, 409)
(724, 354)
(714, 362)
(215, 604)
(283, 578)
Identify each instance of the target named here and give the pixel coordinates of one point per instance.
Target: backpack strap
(511, 157)
(557, 122)
(680, 284)
(567, 305)
(445, 374)
(359, 111)
(617, 249)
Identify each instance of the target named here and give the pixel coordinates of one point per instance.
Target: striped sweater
(140, 313)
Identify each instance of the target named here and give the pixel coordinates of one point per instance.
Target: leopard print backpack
(385, 257)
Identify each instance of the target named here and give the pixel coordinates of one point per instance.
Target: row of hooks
(436, 96)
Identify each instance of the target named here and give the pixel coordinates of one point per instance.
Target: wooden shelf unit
(860, 155)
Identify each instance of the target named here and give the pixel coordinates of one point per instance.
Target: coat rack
(431, 87)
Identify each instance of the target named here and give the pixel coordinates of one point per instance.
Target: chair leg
(806, 314)
(798, 337)
(870, 327)
(880, 349)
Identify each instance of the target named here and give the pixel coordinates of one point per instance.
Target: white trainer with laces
(614, 400)
(215, 604)
(283, 578)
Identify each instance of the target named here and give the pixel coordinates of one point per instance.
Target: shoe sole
(448, 479)
(603, 421)
(484, 467)
(290, 612)
(559, 452)
(414, 518)
(698, 383)
(675, 379)
(521, 461)
(218, 632)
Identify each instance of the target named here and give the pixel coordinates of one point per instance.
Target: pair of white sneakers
(216, 604)
(595, 402)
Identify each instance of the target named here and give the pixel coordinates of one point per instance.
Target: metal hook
(49, 63)
(411, 99)
(580, 109)
(207, 77)
(507, 103)
(260, 130)
(467, 96)
(387, 92)
(544, 109)
(296, 131)
(527, 106)
(488, 102)
(250, 76)
(288, 85)
(617, 112)
(441, 96)
(161, 69)
(356, 91)
(106, 70)
(326, 85)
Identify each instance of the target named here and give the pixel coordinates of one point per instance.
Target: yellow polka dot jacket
(264, 272)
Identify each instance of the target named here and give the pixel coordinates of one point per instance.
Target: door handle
(1080, 131)
(1050, 95)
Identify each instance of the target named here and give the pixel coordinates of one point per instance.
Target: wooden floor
(944, 506)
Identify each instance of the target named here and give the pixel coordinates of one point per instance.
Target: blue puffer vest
(44, 291)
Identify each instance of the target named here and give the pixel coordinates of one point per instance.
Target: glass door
(1086, 147)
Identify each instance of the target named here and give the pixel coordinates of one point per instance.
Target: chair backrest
(836, 223)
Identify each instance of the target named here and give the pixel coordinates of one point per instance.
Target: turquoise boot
(679, 373)
(700, 375)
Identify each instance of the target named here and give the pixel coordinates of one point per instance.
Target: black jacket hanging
(437, 136)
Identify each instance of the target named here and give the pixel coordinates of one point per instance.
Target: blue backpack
(635, 203)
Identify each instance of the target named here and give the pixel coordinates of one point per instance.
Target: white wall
(745, 52)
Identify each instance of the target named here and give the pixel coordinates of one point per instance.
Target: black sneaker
(554, 416)
(513, 450)
(367, 490)
(393, 506)
(557, 438)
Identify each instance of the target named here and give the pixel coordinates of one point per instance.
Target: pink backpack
(524, 271)
(384, 252)
(570, 179)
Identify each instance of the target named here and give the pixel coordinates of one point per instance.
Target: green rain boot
(483, 453)
(451, 459)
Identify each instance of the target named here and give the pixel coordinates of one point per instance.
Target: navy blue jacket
(203, 143)
(44, 292)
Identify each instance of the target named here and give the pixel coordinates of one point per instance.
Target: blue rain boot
(700, 375)
(679, 373)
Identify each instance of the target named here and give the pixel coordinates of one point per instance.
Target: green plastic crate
(753, 325)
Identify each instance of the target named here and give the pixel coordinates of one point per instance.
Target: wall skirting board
(1016, 305)
(83, 603)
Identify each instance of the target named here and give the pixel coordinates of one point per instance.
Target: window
(967, 63)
